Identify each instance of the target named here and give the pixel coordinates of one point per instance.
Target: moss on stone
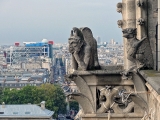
(152, 73)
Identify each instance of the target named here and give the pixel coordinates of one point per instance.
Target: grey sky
(33, 20)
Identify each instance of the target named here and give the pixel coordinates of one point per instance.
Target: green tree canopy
(52, 94)
(74, 105)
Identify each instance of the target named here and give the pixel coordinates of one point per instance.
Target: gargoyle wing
(144, 54)
(88, 36)
(91, 41)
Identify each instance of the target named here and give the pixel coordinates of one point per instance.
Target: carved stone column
(128, 10)
(141, 16)
(158, 35)
(121, 8)
(129, 17)
(134, 15)
(124, 12)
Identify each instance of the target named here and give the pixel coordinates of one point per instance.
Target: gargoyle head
(76, 40)
(129, 32)
(76, 32)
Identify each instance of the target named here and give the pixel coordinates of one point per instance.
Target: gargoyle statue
(138, 51)
(83, 47)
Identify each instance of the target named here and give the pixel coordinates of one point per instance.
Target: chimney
(3, 105)
(43, 105)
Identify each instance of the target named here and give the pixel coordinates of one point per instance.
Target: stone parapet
(153, 79)
(127, 116)
(152, 91)
(98, 91)
(153, 103)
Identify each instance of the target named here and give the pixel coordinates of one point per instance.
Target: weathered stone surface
(25, 118)
(83, 47)
(110, 84)
(119, 7)
(85, 90)
(83, 101)
(132, 10)
(120, 23)
(138, 51)
(153, 78)
(112, 67)
(154, 103)
(140, 3)
(139, 84)
(152, 22)
(141, 21)
(104, 116)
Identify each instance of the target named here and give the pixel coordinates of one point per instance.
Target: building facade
(25, 112)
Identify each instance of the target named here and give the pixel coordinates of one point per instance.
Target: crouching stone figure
(83, 47)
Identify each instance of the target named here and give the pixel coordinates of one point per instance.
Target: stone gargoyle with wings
(138, 51)
(83, 47)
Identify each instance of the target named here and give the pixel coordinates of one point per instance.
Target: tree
(74, 105)
(54, 97)
(52, 94)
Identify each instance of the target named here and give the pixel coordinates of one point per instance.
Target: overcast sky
(33, 20)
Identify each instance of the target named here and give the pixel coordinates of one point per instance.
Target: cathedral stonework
(129, 92)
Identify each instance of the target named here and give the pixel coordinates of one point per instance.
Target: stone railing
(153, 85)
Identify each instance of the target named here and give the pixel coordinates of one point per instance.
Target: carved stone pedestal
(113, 116)
(103, 93)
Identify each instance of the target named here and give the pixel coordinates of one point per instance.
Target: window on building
(15, 113)
(27, 112)
(1, 112)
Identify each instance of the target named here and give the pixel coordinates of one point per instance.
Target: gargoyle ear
(123, 30)
(135, 31)
(71, 33)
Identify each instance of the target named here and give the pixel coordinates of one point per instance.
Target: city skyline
(33, 21)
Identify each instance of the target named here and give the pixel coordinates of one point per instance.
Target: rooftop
(27, 110)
